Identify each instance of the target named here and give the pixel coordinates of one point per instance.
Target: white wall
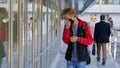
(85, 17)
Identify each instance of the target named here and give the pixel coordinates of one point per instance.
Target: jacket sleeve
(88, 39)
(66, 35)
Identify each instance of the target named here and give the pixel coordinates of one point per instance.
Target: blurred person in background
(101, 37)
(3, 14)
(111, 25)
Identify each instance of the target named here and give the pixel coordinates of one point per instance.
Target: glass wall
(113, 2)
(29, 33)
(4, 35)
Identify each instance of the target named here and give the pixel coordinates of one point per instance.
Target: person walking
(77, 53)
(111, 26)
(101, 37)
(2, 35)
(111, 22)
(2, 39)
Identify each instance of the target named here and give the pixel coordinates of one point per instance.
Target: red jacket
(2, 35)
(86, 41)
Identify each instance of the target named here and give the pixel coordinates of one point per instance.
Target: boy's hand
(73, 38)
(67, 24)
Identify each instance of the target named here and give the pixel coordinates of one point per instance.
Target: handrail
(115, 35)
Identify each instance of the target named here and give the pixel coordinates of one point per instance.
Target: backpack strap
(83, 26)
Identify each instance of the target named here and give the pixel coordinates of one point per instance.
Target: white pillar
(100, 2)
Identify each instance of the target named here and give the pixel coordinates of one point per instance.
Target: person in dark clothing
(2, 39)
(111, 22)
(101, 37)
(2, 34)
(111, 26)
(76, 53)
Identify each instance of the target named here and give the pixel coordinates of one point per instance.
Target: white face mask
(5, 20)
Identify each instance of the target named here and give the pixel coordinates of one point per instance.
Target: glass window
(50, 22)
(44, 34)
(113, 2)
(104, 1)
(44, 26)
(49, 54)
(15, 35)
(110, 1)
(3, 1)
(29, 29)
(3, 37)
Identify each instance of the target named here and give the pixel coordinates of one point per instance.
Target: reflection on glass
(49, 27)
(29, 41)
(3, 45)
(104, 1)
(3, 1)
(44, 26)
(49, 21)
(22, 46)
(52, 26)
(112, 2)
(44, 60)
(30, 23)
(15, 35)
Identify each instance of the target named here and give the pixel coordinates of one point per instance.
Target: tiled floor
(61, 62)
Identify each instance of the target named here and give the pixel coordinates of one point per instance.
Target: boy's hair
(110, 18)
(67, 11)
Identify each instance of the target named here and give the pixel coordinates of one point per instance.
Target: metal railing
(115, 43)
(112, 47)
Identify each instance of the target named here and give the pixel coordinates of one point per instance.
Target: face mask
(72, 21)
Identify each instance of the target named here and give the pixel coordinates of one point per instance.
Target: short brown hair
(3, 12)
(102, 17)
(67, 11)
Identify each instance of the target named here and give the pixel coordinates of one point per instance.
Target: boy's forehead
(67, 16)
